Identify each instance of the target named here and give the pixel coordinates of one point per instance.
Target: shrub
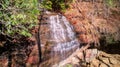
(18, 16)
(56, 5)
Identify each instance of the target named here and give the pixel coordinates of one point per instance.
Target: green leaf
(25, 33)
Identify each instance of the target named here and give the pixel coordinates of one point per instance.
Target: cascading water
(62, 39)
(62, 33)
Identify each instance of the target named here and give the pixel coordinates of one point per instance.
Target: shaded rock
(105, 60)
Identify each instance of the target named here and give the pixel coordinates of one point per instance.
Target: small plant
(69, 65)
(111, 3)
(110, 40)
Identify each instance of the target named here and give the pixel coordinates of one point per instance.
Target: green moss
(69, 65)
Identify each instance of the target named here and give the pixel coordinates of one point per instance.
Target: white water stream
(62, 33)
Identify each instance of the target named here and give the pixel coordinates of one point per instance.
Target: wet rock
(101, 59)
(58, 39)
(77, 58)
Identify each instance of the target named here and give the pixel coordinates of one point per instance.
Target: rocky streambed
(93, 58)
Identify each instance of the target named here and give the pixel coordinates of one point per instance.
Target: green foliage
(69, 65)
(18, 16)
(56, 5)
(47, 4)
(111, 3)
(110, 40)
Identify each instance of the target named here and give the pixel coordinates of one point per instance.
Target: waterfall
(62, 37)
(62, 33)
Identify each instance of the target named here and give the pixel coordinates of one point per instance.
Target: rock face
(94, 19)
(79, 59)
(16, 55)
